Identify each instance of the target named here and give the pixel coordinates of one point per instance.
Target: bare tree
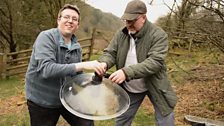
(197, 21)
(22, 20)
(53, 7)
(7, 25)
(210, 21)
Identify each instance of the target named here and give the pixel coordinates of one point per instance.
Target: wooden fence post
(190, 44)
(3, 58)
(1, 64)
(92, 43)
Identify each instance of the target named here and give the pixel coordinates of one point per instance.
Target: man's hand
(104, 65)
(91, 65)
(118, 76)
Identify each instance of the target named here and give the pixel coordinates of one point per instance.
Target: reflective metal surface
(93, 101)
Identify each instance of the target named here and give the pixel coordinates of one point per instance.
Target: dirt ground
(201, 95)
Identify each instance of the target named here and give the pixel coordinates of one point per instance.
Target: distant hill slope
(95, 18)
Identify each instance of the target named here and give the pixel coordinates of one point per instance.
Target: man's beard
(131, 31)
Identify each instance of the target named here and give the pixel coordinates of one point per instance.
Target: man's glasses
(67, 18)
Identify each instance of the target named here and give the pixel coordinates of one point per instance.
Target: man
(56, 55)
(138, 51)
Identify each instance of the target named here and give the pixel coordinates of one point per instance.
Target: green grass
(10, 87)
(21, 119)
(109, 122)
(142, 118)
(182, 63)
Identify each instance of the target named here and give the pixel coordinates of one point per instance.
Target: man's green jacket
(151, 49)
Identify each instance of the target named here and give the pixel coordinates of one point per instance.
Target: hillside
(95, 18)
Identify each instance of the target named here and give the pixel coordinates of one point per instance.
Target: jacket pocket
(170, 97)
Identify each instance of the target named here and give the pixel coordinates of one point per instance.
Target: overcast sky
(117, 7)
